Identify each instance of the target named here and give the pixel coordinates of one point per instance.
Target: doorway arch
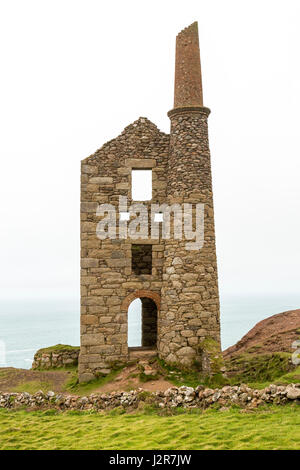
(149, 310)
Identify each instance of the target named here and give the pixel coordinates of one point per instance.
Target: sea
(28, 325)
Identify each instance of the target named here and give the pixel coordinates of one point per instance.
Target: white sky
(75, 73)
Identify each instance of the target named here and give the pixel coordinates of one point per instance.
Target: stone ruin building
(178, 287)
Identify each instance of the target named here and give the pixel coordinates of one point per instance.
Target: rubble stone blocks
(182, 284)
(174, 397)
(52, 358)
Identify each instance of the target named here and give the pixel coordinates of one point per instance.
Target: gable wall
(106, 276)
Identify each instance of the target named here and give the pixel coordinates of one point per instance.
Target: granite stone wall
(107, 278)
(56, 357)
(182, 319)
(190, 299)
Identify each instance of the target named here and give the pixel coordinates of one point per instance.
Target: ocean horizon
(28, 325)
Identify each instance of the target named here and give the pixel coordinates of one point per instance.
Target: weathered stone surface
(58, 356)
(89, 206)
(178, 287)
(140, 163)
(90, 339)
(89, 263)
(89, 320)
(182, 397)
(293, 393)
(186, 351)
(86, 377)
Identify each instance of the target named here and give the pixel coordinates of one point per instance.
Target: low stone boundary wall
(186, 397)
(56, 357)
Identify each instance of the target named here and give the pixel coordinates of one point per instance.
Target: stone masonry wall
(184, 283)
(190, 300)
(188, 80)
(55, 358)
(185, 280)
(106, 275)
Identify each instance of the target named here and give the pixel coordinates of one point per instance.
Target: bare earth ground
(12, 379)
(124, 381)
(274, 334)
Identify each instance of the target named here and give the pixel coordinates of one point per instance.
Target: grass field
(268, 428)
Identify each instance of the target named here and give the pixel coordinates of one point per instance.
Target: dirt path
(128, 379)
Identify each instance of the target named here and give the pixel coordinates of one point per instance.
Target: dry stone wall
(55, 358)
(182, 397)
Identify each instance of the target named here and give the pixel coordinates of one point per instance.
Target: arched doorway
(149, 323)
(142, 323)
(134, 330)
(142, 308)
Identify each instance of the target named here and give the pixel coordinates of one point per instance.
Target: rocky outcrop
(185, 397)
(56, 357)
(274, 334)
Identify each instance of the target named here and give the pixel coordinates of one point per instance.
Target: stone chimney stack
(175, 277)
(190, 318)
(188, 82)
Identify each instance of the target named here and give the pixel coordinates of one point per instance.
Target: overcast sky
(75, 73)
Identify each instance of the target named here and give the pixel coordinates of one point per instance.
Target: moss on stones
(212, 359)
(55, 357)
(58, 348)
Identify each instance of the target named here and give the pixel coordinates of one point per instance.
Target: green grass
(291, 377)
(256, 370)
(270, 428)
(86, 388)
(190, 377)
(4, 374)
(59, 347)
(32, 386)
(260, 370)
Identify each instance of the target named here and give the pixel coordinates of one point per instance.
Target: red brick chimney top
(188, 82)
